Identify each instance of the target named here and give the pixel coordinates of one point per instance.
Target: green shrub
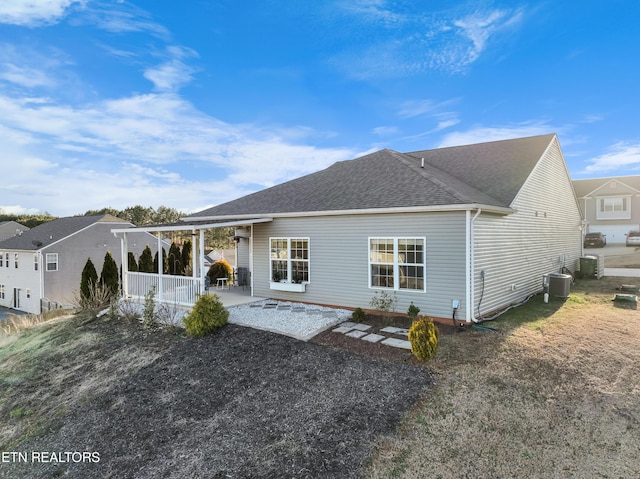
(219, 269)
(207, 315)
(110, 277)
(358, 315)
(88, 279)
(149, 312)
(413, 311)
(423, 336)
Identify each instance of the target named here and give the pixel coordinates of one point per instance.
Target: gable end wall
(544, 234)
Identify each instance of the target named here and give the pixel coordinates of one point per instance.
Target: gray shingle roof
(47, 233)
(587, 186)
(486, 173)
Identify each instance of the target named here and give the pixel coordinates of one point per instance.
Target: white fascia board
(412, 209)
(194, 227)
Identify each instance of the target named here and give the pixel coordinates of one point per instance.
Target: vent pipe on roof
(422, 163)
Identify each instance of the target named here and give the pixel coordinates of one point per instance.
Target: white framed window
(613, 208)
(35, 262)
(52, 261)
(1, 291)
(397, 263)
(1, 260)
(289, 260)
(16, 258)
(6, 259)
(28, 292)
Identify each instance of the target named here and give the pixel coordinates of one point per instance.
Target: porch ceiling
(193, 225)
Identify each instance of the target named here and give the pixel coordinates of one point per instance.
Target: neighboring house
(9, 229)
(41, 268)
(474, 226)
(610, 205)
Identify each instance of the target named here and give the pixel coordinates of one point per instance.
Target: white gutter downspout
(471, 267)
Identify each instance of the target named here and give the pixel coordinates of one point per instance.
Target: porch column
(201, 260)
(124, 245)
(160, 266)
(194, 256)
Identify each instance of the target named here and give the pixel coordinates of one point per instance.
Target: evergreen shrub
(423, 336)
(358, 315)
(207, 315)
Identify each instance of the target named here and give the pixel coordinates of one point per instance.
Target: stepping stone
(394, 330)
(256, 306)
(284, 306)
(373, 338)
(361, 327)
(349, 324)
(356, 334)
(397, 343)
(341, 329)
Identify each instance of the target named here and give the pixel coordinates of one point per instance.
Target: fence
(182, 290)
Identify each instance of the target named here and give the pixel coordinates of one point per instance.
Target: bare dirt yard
(553, 391)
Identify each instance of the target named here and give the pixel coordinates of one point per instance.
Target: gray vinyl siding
(339, 258)
(94, 242)
(516, 251)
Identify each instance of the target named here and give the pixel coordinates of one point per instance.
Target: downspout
(251, 258)
(41, 267)
(471, 269)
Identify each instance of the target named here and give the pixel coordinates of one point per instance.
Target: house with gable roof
(610, 205)
(9, 229)
(466, 230)
(41, 268)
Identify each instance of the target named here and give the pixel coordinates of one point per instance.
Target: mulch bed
(379, 350)
(236, 404)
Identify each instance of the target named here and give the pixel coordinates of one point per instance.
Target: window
(397, 263)
(290, 260)
(35, 262)
(613, 208)
(1, 291)
(6, 259)
(28, 293)
(52, 261)
(16, 258)
(1, 260)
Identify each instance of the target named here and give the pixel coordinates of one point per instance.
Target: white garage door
(615, 234)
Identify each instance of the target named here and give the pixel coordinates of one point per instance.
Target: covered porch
(181, 290)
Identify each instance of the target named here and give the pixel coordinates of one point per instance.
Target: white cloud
(33, 13)
(386, 130)
(621, 155)
(417, 43)
(484, 134)
(151, 137)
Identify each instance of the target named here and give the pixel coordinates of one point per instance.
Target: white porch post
(194, 255)
(201, 260)
(124, 245)
(160, 267)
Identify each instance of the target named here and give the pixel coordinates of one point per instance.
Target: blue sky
(190, 104)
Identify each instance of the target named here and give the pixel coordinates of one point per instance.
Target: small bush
(358, 315)
(413, 311)
(423, 336)
(149, 312)
(219, 269)
(207, 315)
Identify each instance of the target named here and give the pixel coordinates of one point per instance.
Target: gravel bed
(299, 321)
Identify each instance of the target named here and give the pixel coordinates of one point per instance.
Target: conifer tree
(175, 260)
(146, 261)
(131, 262)
(88, 279)
(186, 256)
(109, 277)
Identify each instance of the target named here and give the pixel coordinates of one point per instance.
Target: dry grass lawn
(555, 393)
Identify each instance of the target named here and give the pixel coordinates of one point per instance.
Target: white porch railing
(182, 290)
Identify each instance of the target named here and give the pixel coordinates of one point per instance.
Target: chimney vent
(422, 163)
